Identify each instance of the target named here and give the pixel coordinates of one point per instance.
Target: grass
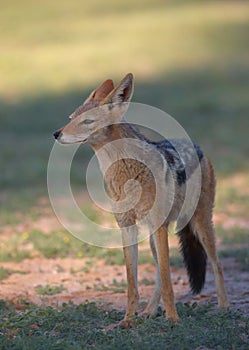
(233, 236)
(49, 290)
(241, 255)
(147, 282)
(15, 254)
(232, 195)
(62, 244)
(92, 40)
(83, 327)
(16, 205)
(4, 273)
(115, 287)
(57, 244)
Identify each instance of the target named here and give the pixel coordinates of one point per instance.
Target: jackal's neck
(115, 132)
(117, 143)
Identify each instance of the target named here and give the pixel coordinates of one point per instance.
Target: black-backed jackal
(99, 122)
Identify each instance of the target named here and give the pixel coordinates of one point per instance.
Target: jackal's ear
(122, 93)
(95, 98)
(101, 92)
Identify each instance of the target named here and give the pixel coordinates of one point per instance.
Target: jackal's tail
(195, 258)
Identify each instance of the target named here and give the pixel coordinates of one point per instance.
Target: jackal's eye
(87, 121)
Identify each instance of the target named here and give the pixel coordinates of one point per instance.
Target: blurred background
(189, 58)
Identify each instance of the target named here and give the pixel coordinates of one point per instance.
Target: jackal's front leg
(130, 247)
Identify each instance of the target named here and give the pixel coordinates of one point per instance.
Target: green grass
(4, 273)
(232, 196)
(115, 287)
(83, 327)
(176, 258)
(60, 45)
(57, 244)
(241, 255)
(233, 236)
(12, 251)
(147, 282)
(62, 244)
(49, 290)
(21, 203)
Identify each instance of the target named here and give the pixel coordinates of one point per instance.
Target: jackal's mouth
(70, 140)
(73, 142)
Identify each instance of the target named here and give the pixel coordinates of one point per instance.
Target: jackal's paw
(174, 319)
(151, 312)
(224, 304)
(147, 314)
(127, 323)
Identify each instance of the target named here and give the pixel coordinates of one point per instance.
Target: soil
(105, 284)
(101, 283)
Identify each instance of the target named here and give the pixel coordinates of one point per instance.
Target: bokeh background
(189, 58)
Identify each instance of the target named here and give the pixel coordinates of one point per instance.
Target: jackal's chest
(130, 185)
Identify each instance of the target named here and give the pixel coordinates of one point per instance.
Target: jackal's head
(105, 106)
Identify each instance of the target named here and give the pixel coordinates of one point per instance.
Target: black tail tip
(197, 283)
(195, 258)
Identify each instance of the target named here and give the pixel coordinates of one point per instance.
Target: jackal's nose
(56, 134)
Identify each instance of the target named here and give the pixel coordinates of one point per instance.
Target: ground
(97, 284)
(93, 278)
(57, 293)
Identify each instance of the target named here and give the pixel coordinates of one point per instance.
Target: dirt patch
(95, 281)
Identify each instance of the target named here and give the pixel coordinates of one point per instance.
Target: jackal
(133, 159)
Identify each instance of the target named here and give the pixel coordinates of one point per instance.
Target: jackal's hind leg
(205, 233)
(162, 248)
(151, 308)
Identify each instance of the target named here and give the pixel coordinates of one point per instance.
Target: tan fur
(202, 223)
(112, 103)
